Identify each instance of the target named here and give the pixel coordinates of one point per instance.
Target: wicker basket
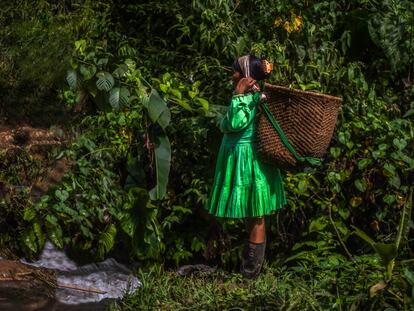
(307, 119)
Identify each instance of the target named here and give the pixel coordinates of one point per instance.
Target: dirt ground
(38, 142)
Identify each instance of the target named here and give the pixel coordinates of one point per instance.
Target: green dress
(243, 185)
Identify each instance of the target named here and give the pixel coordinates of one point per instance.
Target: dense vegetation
(140, 85)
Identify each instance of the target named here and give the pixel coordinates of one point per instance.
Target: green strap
(310, 160)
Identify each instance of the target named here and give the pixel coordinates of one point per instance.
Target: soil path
(38, 143)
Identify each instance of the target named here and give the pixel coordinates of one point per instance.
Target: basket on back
(306, 118)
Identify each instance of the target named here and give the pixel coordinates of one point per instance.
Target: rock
(187, 269)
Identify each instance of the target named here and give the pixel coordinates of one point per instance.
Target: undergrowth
(342, 286)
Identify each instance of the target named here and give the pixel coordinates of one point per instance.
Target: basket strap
(310, 160)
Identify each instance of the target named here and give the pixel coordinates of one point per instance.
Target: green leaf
(120, 71)
(164, 87)
(40, 236)
(166, 76)
(399, 143)
(105, 81)
(382, 147)
(203, 103)
(51, 220)
(164, 118)
(410, 112)
(302, 186)
(80, 45)
(29, 214)
(342, 138)
(377, 154)
(107, 239)
(177, 93)
(389, 199)
(192, 94)
(55, 235)
(409, 276)
(362, 164)
(136, 174)
(102, 62)
(403, 227)
(363, 235)
(130, 64)
(344, 212)
(118, 97)
(182, 209)
(62, 195)
(87, 71)
(197, 244)
(361, 185)
(86, 232)
(388, 252)
(163, 163)
(157, 109)
(394, 181)
(184, 104)
(72, 79)
(30, 240)
(318, 224)
(389, 168)
(335, 152)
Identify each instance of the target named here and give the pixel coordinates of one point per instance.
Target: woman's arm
(240, 112)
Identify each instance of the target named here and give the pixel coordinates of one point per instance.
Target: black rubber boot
(252, 259)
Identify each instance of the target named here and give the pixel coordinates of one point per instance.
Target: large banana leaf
(157, 109)
(159, 113)
(163, 162)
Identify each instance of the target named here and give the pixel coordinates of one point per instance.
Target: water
(101, 282)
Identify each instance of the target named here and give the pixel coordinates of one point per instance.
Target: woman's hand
(245, 85)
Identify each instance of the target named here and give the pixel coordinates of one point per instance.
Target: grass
(341, 287)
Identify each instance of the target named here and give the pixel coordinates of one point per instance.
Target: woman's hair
(256, 68)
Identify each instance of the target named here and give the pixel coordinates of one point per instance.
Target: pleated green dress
(243, 185)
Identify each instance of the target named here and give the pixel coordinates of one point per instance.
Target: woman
(244, 187)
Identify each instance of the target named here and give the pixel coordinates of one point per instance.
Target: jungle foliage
(151, 78)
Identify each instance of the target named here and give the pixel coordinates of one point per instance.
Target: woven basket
(308, 120)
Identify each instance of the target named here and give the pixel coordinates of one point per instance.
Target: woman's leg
(256, 229)
(254, 250)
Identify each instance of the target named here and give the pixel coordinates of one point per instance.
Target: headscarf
(250, 66)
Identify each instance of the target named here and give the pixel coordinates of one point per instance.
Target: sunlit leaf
(203, 103)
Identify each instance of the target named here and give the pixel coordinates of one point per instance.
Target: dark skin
(255, 225)
(243, 85)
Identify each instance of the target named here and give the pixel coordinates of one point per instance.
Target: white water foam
(109, 277)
